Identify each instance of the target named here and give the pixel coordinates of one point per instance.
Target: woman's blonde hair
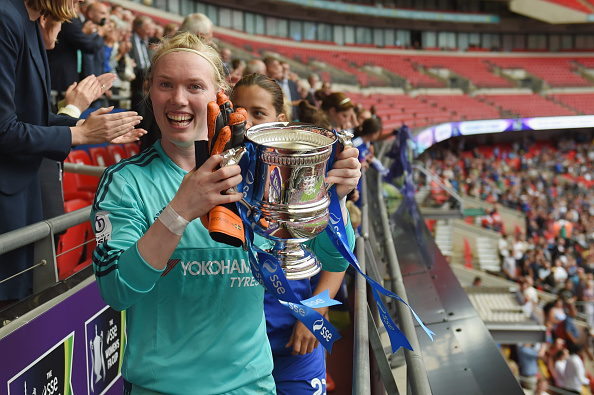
(60, 10)
(188, 42)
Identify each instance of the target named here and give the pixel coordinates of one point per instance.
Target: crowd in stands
(550, 184)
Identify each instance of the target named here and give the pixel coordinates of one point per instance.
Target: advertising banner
(74, 347)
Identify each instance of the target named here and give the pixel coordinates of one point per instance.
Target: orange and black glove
(226, 129)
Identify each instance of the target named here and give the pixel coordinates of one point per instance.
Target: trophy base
(297, 261)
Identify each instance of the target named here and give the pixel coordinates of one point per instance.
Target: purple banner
(74, 347)
(433, 135)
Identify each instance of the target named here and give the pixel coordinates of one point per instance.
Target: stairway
(443, 237)
(421, 194)
(488, 257)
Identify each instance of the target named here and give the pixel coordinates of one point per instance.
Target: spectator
(542, 386)
(30, 132)
(255, 66)
(170, 30)
(275, 70)
(63, 57)
(530, 296)
(94, 63)
(313, 81)
(143, 28)
(226, 58)
(200, 25)
(528, 363)
(574, 376)
(340, 111)
(559, 361)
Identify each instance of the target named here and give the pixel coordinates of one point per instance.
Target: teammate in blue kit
(194, 315)
(299, 360)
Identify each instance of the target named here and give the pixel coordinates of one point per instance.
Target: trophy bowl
(289, 192)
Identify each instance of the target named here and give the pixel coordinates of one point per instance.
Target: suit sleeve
(73, 36)
(18, 137)
(122, 274)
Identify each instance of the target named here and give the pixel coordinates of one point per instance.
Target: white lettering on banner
(296, 308)
(51, 387)
(384, 316)
(319, 326)
(210, 268)
(112, 352)
(334, 219)
(276, 283)
(312, 303)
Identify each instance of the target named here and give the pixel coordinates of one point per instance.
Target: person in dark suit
(63, 61)
(143, 28)
(93, 63)
(29, 131)
(275, 70)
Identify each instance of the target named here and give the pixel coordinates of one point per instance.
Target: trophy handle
(345, 137)
(231, 157)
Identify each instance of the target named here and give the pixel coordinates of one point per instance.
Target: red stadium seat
(131, 149)
(117, 152)
(84, 182)
(72, 247)
(100, 157)
(71, 191)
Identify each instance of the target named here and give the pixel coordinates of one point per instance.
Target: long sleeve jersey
(196, 327)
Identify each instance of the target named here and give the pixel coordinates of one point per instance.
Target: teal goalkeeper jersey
(198, 326)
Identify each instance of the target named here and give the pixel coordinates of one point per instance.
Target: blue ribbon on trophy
(268, 271)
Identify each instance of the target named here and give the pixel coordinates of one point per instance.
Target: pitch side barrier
(463, 358)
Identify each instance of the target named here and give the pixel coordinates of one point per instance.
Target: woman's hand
(302, 340)
(88, 90)
(101, 127)
(346, 172)
(200, 190)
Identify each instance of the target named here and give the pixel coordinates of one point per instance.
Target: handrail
(84, 169)
(432, 176)
(361, 368)
(42, 234)
(416, 370)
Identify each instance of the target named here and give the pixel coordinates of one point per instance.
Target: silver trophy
(290, 200)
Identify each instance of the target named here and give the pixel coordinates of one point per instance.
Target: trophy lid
(291, 136)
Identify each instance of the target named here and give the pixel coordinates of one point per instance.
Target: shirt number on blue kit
(318, 385)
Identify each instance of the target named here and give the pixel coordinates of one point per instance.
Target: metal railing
(43, 235)
(366, 331)
(451, 191)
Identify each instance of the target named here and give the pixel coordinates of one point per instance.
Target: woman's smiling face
(181, 88)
